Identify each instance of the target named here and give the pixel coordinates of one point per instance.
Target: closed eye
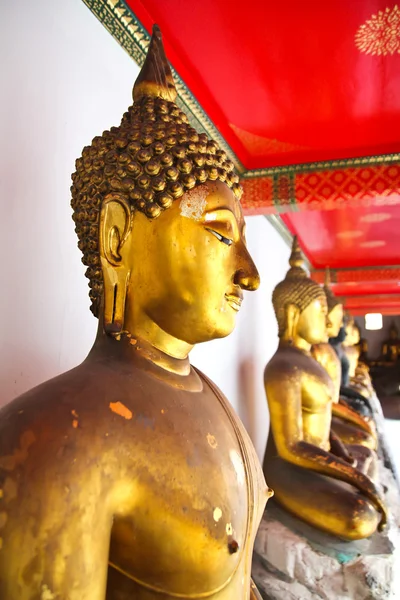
(220, 237)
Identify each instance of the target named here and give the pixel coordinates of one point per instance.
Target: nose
(328, 322)
(246, 276)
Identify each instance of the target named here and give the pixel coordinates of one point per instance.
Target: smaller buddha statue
(359, 378)
(310, 476)
(391, 346)
(351, 427)
(356, 432)
(350, 395)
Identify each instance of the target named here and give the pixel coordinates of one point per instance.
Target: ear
(115, 227)
(292, 318)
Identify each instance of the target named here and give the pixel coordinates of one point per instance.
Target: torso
(317, 391)
(326, 356)
(170, 471)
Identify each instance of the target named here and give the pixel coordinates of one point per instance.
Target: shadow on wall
(247, 374)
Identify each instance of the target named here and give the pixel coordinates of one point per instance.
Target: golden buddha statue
(130, 476)
(391, 346)
(310, 478)
(359, 378)
(352, 428)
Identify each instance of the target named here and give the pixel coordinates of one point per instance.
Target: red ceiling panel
(288, 82)
(350, 237)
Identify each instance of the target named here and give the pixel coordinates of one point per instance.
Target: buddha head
(352, 331)
(159, 222)
(300, 304)
(335, 308)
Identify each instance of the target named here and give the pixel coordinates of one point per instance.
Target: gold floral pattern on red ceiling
(358, 275)
(380, 35)
(326, 189)
(259, 145)
(331, 189)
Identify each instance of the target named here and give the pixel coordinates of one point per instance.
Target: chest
(192, 492)
(317, 389)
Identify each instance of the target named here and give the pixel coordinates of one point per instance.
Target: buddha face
(335, 320)
(352, 334)
(187, 269)
(312, 322)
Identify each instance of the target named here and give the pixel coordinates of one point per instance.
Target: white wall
(65, 80)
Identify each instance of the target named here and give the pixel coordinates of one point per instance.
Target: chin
(223, 327)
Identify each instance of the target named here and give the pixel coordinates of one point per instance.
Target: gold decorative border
(345, 163)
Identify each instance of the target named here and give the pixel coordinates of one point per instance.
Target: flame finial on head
(327, 283)
(296, 261)
(331, 299)
(155, 78)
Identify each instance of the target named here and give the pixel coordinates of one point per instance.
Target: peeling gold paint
(75, 423)
(194, 202)
(217, 514)
(212, 441)
(46, 594)
(74, 413)
(20, 454)
(120, 409)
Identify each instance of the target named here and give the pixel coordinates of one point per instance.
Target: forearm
(351, 416)
(311, 457)
(340, 450)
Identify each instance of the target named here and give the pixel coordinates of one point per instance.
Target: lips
(234, 301)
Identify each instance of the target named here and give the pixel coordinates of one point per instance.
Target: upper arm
(284, 401)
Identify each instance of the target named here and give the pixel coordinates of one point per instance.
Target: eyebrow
(225, 214)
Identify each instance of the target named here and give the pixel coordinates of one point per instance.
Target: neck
(180, 366)
(143, 328)
(297, 342)
(142, 336)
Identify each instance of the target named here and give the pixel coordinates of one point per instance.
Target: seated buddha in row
(359, 377)
(131, 476)
(352, 428)
(312, 477)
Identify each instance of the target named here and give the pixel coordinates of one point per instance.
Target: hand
(351, 460)
(369, 489)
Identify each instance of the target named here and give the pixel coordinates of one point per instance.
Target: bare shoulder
(71, 409)
(283, 364)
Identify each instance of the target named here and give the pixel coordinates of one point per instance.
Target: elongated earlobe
(292, 317)
(115, 227)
